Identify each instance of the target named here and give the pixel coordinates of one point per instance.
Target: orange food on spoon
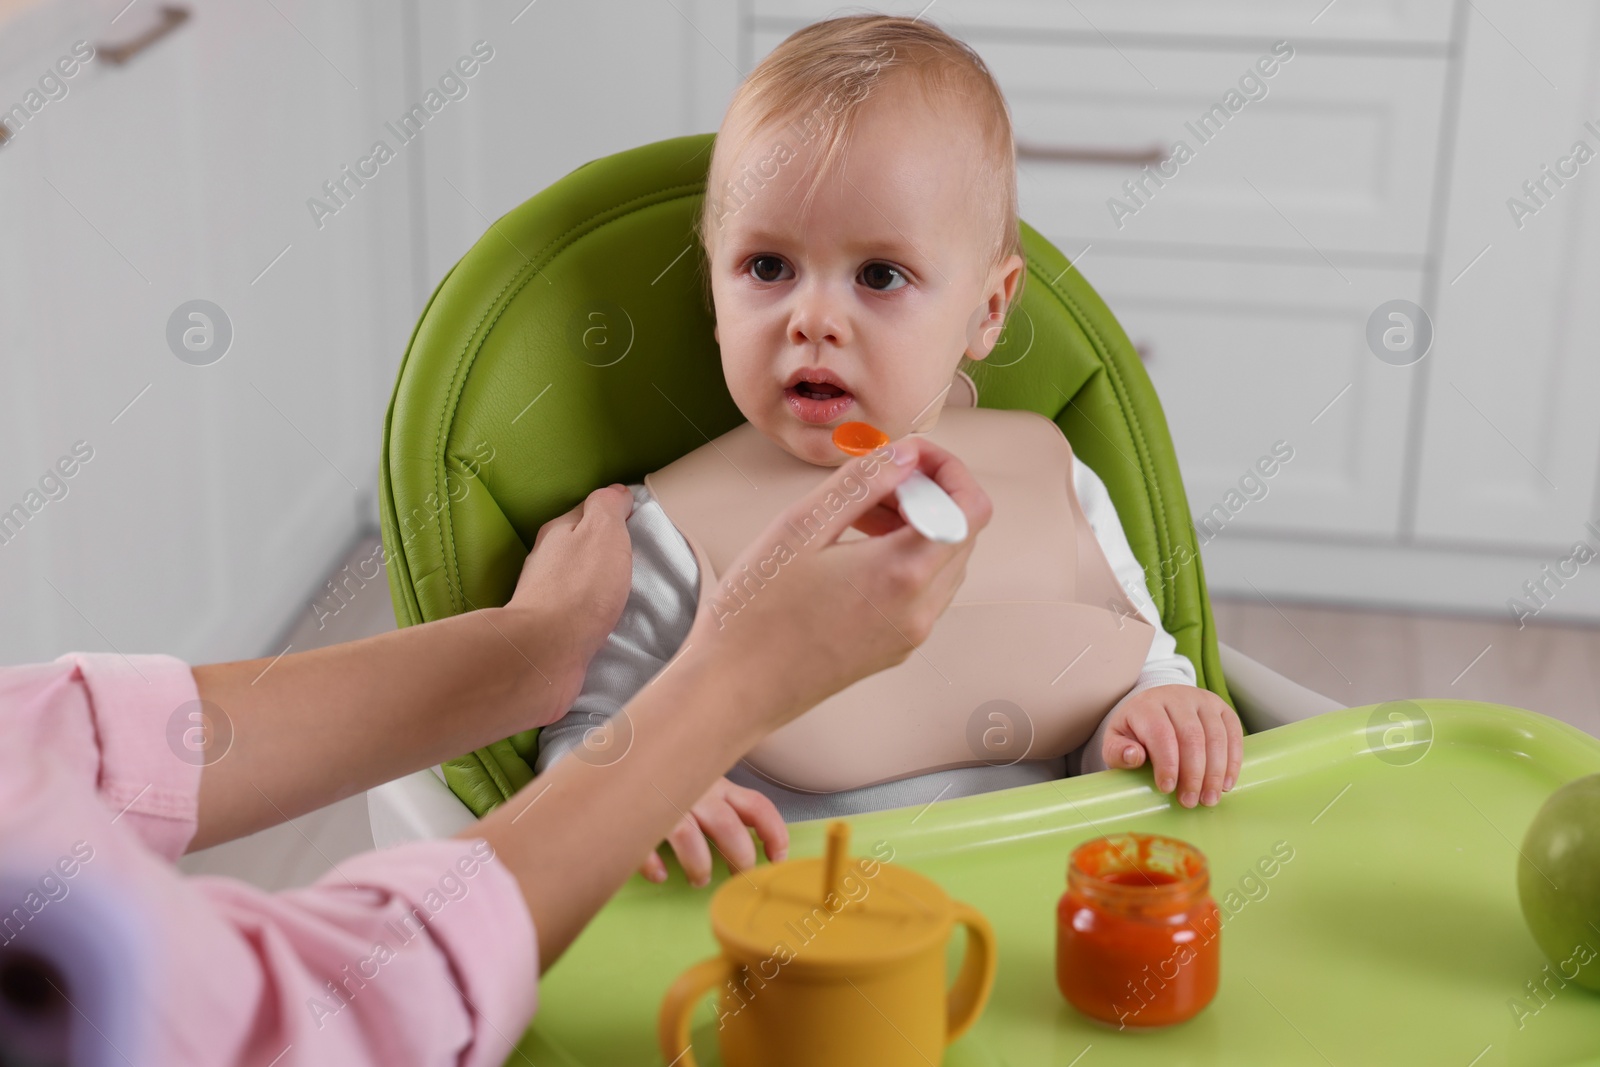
(859, 438)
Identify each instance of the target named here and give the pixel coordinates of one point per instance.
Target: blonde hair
(827, 70)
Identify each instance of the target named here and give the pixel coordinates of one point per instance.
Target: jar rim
(1145, 853)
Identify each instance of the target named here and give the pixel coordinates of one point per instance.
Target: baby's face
(863, 310)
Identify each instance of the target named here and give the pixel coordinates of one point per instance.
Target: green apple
(1558, 880)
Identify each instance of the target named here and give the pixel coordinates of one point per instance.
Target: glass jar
(1137, 933)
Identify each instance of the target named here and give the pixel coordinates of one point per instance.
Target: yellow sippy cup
(834, 961)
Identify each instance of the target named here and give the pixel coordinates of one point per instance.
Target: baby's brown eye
(881, 276)
(767, 268)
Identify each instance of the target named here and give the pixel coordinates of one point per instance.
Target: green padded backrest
(571, 347)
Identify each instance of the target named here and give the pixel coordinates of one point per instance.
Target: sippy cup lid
(831, 912)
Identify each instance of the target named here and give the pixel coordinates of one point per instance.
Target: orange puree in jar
(1137, 933)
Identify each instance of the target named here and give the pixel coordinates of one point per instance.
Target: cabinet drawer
(1336, 153)
(1425, 22)
(1244, 355)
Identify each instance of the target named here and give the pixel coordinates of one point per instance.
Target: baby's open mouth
(818, 390)
(818, 402)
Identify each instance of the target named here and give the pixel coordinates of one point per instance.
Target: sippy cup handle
(971, 991)
(672, 1025)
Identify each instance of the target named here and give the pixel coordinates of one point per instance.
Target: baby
(861, 240)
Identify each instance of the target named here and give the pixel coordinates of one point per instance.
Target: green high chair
(571, 348)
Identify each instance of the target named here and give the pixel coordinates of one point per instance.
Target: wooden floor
(1366, 657)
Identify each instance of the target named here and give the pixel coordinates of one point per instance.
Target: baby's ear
(714, 335)
(983, 331)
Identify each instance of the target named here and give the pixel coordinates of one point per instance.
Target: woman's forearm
(315, 727)
(577, 831)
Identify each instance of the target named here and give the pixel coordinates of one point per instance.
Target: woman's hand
(721, 816)
(1194, 740)
(573, 586)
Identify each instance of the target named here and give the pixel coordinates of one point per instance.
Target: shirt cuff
(479, 922)
(149, 777)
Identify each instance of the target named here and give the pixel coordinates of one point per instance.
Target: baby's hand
(1193, 737)
(723, 813)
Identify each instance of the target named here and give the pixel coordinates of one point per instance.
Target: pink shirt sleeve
(421, 954)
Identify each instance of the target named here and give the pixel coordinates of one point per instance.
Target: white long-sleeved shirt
(661, 608)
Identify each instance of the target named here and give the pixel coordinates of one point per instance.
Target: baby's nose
(816, 320)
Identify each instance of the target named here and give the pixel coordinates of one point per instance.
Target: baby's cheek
(757, 404)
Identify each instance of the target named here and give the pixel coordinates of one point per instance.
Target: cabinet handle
(118, 54)
(1065, 153)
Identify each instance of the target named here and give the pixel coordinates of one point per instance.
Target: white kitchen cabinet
(567, 83)
(235, 160)
(1247, 355)
(1510, 436)
(1335, 156)
(1501, 469)
(217, 494)
(120, 558)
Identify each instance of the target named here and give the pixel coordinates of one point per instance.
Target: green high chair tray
(1392, 935)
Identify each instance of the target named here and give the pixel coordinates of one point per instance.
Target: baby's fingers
(1191, 752)
(723, 825)
(1155, 732)
(1216, 752)
(654, 868)
(1235, 748)
(758, 810)
(1121, 752)
(693, 853)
